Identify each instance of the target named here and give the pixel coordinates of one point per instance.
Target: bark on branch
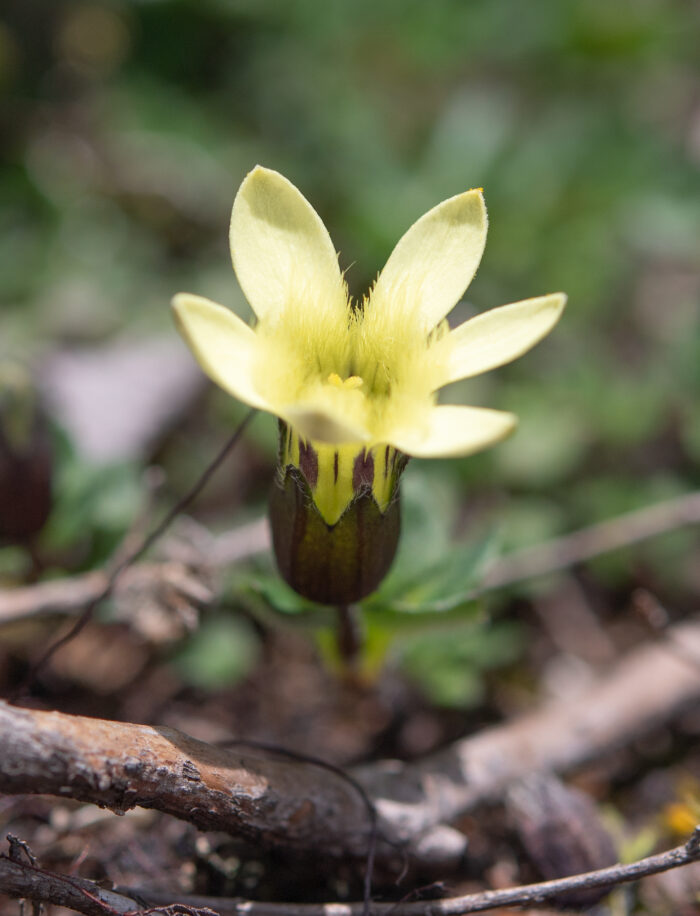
(277, 802)
(120, 766)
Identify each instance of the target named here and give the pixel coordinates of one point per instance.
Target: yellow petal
(499, 336)
(280, 248)
(223, 345)
(318, 424)
(435, 260)
(454, 431)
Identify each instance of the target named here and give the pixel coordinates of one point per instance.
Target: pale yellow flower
(358, 379)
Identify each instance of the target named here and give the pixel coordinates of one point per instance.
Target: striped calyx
(335, 517)
(26, 457)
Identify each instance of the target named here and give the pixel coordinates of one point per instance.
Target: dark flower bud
(335, 518)
(25, 457)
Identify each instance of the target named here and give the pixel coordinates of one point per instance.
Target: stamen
(354, 381)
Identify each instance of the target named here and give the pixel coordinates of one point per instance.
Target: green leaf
(275, 592)
(443, 585)
(449, 665)
(221, 652)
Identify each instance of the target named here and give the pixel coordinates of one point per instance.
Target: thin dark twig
(92, 892)
(175, 909)
(522, 895)
(135, 555)
(71, 882)
(19, 883)
(418, 893)
(346, 777)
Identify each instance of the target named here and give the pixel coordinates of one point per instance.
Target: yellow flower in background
(355, 384)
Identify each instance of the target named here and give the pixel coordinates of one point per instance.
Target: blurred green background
(126, 127)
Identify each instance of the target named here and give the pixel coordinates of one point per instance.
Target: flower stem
(349, 635)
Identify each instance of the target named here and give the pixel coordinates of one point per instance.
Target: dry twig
(20, 879)
(67, 597)
(29, 881)
(581, 546)
(86, 897)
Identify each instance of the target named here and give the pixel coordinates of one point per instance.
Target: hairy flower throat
(366, 364)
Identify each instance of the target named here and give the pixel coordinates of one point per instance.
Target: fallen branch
(118, 765)
(647, 687)
(293, 804)
(86, 897)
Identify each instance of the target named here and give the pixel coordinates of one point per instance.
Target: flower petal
(280, 248)
(436, 259)
(318, 424)
(454, 431)
(223, 345)
(500, 335)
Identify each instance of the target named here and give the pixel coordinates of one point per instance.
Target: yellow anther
(354, 381)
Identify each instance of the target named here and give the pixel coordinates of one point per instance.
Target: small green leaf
(280, 596)
(449, 664)
(221, 652)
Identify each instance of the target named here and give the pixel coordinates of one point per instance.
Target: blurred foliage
(92, 511)
(94, 507)
(222, 651)
(125, 128)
